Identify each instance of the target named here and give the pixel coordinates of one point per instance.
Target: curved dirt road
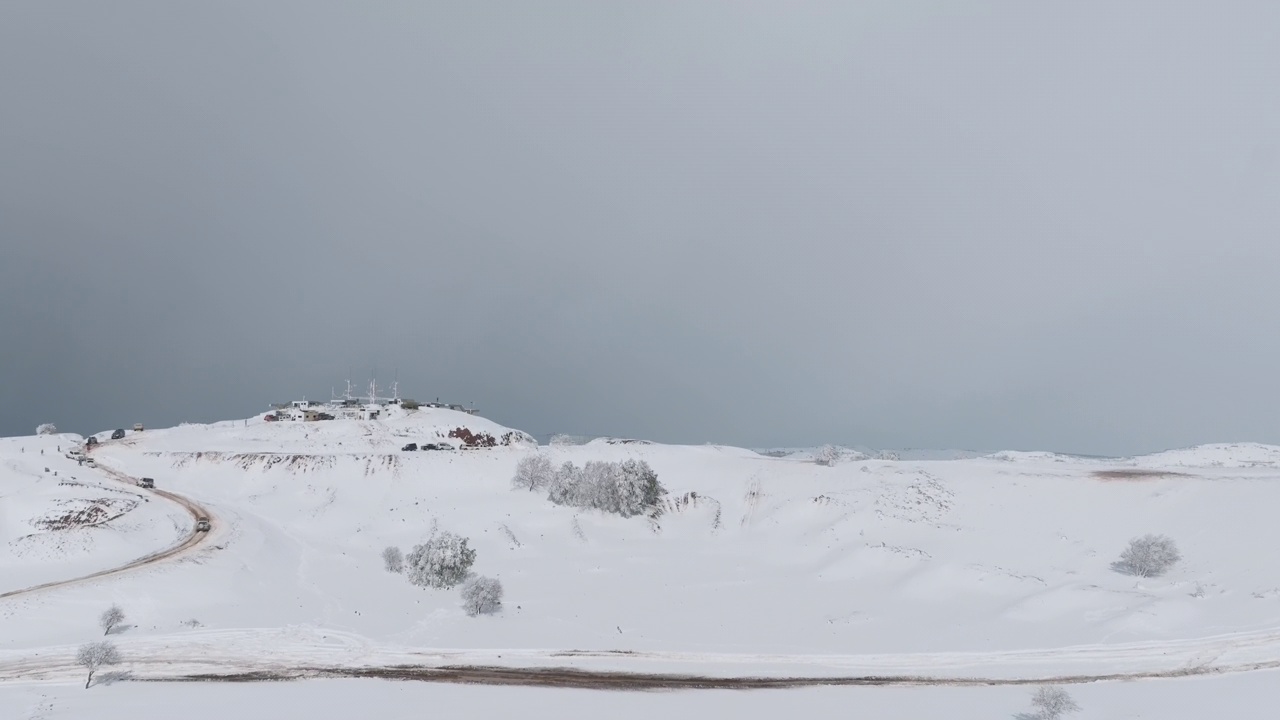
(189, 542)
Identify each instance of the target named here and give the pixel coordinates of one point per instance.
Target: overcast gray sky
(989, 225)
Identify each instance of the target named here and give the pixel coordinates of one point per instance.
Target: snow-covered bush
(828, 455)
(1148, 556)
(533, 473)
(481, 595)
(110, 619)
(627, 488)
(1052, 702)
(440, 562)
(564, 485)
(94, 655)
(46, 429)
(393, 559)
(638, 488)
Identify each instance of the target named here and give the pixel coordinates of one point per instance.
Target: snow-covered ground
(995, 567)
(1239, 697)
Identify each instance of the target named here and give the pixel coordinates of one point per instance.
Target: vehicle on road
(202, 524)
(146, 482)
(137, 427)
(410, 447)
(92, 440)
(118, 434)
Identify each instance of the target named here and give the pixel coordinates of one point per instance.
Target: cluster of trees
(627, 488)
(46, 429)
(444, 561)
(96, 655)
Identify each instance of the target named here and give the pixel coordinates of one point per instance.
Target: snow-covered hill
(754, 563)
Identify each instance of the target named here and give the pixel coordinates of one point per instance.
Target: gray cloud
(893, 224)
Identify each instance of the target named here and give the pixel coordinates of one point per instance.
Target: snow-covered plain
(991, 568)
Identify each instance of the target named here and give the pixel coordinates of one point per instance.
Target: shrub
(481, 595)
(46, 429)
(1052, 702)
(1148, 556)
(441, 562)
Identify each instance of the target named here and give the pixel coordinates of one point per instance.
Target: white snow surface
(995, 567)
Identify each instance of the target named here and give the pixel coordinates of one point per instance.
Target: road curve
(191, 541)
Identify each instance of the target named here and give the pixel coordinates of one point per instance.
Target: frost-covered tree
(46, 429)
(564, 485)
(1052, 702)
(96, 654)
(393, 559)
(598, 486)
(110, 619)
(533, 473)
(481, 595)
(828, 455)
(1148, 556)
(440, 562)
(638, 488)
(627, 488)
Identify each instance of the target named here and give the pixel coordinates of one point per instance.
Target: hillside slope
(753, 562)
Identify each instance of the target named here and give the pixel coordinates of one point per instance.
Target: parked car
(270, 417)
(146, 482)
(410, 447)
(91, 441)
(437, 446)
(118, 434)
(202, 524)
(137, 427)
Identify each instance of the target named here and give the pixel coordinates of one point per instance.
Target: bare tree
(1052, 702)
(1148, 556)
(94, 655)
(393, 559)
(533, 472)
(481, 595)
(111, 619)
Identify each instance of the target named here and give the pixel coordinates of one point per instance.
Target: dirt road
(185, 544)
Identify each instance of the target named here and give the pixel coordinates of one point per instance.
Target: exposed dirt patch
(84, 513)
(608, 680)
(1136, 474)
(485, 440)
